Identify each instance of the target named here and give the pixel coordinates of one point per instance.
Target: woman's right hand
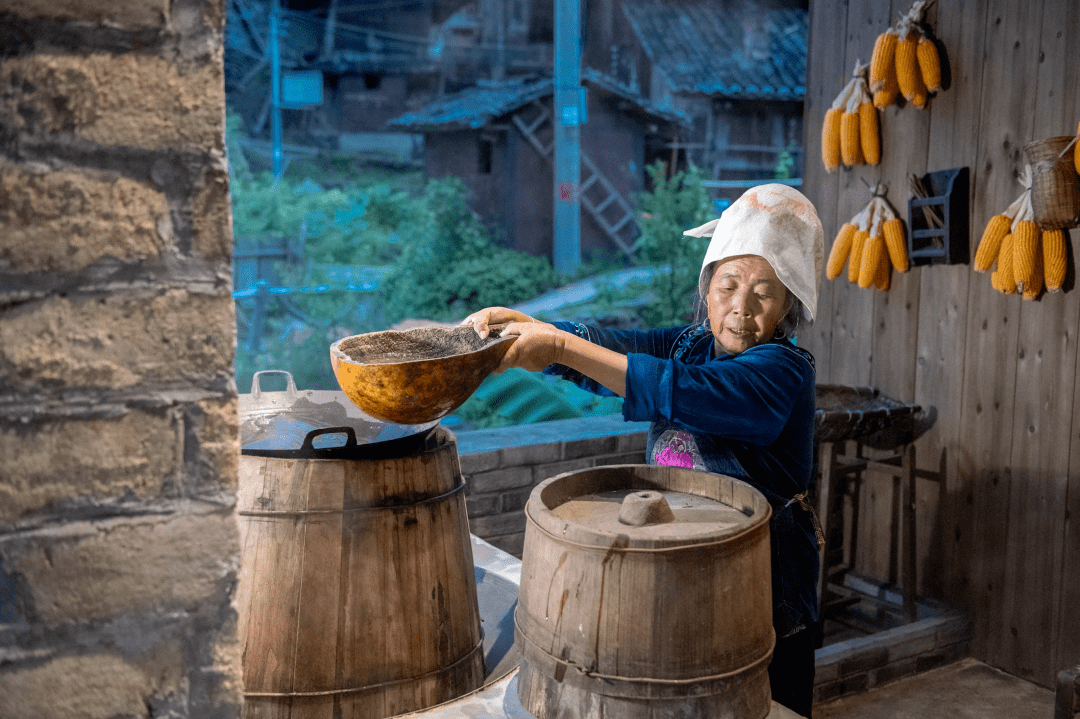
(489, 318)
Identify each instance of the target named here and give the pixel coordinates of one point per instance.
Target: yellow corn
(990, 244)
(929, 64)
(850, 150)
(857, 245)
(872, 254)
(869, 136)
(1025, 247)
(1076, 151)
(841, 248)
(1033, 288)
(894, 241)
(830, 139)
(882, 61)
(1006, 279)
(881, 279)
(920, 98)
(1054, 258)
(907, 66)
(887, 94)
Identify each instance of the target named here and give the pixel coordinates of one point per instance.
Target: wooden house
(735, 69)
(998, 375)
(498, 138)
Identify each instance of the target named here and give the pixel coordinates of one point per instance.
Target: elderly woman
(731, 395)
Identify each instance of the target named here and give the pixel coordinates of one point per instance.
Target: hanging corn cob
(1055, 257)
(1076, 151)
(872, 244)
(1028, 259)
(905, 61)
(850, 130)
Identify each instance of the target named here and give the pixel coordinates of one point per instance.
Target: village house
(498, 139)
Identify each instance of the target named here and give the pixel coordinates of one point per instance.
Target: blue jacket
(749, 416)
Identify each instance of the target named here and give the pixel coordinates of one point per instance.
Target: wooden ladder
(598, 196)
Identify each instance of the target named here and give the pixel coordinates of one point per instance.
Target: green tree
(450, 265)
(675, 204)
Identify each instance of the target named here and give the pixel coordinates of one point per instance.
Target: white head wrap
(778, 223)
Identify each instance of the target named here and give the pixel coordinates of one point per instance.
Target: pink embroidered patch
(672, 457)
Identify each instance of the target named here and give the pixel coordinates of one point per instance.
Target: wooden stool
(841, 475)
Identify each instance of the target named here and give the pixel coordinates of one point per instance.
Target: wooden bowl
(414, 376)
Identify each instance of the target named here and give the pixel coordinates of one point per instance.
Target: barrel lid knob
(639, 509)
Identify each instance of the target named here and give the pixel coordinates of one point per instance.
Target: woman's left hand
(537, 346)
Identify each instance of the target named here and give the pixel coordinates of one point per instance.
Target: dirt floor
(968, 689)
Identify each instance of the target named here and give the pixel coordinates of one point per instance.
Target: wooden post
(911, 609)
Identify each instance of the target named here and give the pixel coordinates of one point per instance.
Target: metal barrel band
(316, 512)
(629, 687)
(357, 690)
(732, 542)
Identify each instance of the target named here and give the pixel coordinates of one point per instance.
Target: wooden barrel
(645, 592)
(357, 596)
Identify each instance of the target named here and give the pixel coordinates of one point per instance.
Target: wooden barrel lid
(646, 507)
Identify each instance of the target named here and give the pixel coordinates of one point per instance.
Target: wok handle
(290, 385)
(350, 440)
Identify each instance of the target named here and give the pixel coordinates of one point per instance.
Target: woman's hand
(537, 346)
(494, 318)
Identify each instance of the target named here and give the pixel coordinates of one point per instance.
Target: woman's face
(745, 301)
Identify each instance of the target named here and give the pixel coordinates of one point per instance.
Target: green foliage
(449, 264)
(676, 204)
(785, 163)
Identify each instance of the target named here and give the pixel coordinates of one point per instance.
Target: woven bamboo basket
(858, 412)
(1055, 191)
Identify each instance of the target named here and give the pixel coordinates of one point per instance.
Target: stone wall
(502, 466)
(118, 428)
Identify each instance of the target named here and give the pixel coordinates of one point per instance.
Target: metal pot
(298, 423)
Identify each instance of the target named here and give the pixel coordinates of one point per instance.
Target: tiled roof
(702, 47)
(476, 106)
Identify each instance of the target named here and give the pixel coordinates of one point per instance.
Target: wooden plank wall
(997, 374)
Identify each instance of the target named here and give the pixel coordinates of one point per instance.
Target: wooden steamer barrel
(645, 592)
(356, 595)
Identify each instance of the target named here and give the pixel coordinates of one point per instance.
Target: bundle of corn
(850, 131)
(1076, 150)
(872, 244)
(1027, 258)
(905, 61)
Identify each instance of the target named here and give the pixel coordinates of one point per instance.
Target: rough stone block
(94, 460)
(916, 642)
(482, 505)
(87, 571)
(864, 661)
(123, 14)
(590, 447)
(478, 462)
(499, 479)
(117, 341)
(516, 500)
(496, 524)
(547, 471)
(827, 691)
(129, 100)
(930, 661)
(510, 543)
(212, 216)
(60, 221)
(892, 672)
(633, 442)
(211, 446)
(531, 454)
(96, 686)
